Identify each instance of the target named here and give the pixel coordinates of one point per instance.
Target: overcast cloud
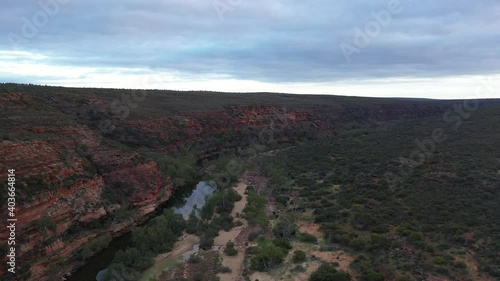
(282, 45)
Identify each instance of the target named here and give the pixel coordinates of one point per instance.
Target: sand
(262, 276)
(224, 236)
(185, 244)
(310, 228)
(235, 262)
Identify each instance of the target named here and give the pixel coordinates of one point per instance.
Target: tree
(255, 210)
(206, 242)
(283, 243)
(267, 255)
(182, 170)
(285, 226)
(192, 223)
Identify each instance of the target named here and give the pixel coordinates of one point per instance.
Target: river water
(183, 202)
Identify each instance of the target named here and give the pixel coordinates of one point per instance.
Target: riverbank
(167, 260)
(187, 244)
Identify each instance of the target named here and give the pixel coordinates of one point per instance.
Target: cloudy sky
(403, 48)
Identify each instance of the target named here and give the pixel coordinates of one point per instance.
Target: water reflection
(197, 198)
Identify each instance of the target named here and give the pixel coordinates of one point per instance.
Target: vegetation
(43, 224)
(327, 272)
(181, 169)
(214, 216)
(403, 205)
(363, 191)
(254, 210)
(230, 250)
(307, 238)
(94, 246)
(299, 256)
(158, 236)
(267, 254)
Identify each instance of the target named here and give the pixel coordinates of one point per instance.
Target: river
(182, 202)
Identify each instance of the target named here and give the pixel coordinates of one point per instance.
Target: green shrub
(252, 236)
(373, 276)
(194, 259)
(357, 244)
(299, 256)
(198, 276)
(307, 238)
(230, 250)
(440, 260)
(417, 236)
(224, 269)
(267, 255)
(44, 223)
(206, 243)
(282, 243)
(403, 278)
(328, 273)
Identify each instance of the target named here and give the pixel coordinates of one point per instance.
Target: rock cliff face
(59, 193)
(64, 162)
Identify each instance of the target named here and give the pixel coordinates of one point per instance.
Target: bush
(192, 224)
(230, 250)
(255, 210)
(267, 255)
(198, 276)
(133, 258)
(224, 269)
(327, 272)
(307, 238)
(284, 227)
(94, 246)
(43, 224)
(378, 241)
(194, 259)
(373, 276)
(298, 269)
(357, 244)
(440, 260)
(253, 236)
(282, 243)
(380, 229)
(299, 256)
(206, 243)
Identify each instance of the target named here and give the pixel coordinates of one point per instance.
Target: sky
(446, 49)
